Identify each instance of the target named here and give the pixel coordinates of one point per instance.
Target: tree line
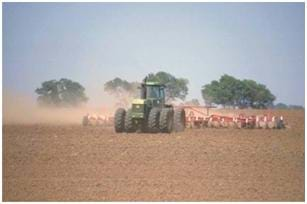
(227, 91)
(176, 88)
(285, 106)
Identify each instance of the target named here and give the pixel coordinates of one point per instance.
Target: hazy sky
(95, 42)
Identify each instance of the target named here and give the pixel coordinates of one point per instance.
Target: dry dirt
(74, 163)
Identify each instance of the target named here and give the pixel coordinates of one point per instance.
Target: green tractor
(150, 113)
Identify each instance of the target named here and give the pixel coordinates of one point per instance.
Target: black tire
(119, 120)
(129, 125)
(179, 120)
(166, 120)
(153, 120)
(280, 124)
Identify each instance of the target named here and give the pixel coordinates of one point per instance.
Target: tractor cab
(153, 92)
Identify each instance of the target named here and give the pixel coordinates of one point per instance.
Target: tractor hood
(138, 108)
(138, 101)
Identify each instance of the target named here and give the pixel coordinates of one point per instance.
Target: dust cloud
(21, 109)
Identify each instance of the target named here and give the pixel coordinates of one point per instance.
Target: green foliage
(119, 84)
(175, 87)
(229, 91)
(61, 93)
(123, 90)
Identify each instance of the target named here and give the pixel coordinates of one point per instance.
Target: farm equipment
(96, 120)
(186, 116)
(150, 113)
(198, 118)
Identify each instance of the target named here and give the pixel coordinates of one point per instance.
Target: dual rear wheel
(166, 120)
(123, 121)
(129, 123)
(119, 120)
(160, 120)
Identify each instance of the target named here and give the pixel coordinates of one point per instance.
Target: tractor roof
(153, 83)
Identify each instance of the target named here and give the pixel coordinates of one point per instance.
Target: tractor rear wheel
(129, 125)
(166, 120)
(119, 120)
(153, 120)
(179, 120)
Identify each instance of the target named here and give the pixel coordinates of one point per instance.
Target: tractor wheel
(179, 120)
(166, 120)
(119, 120)
(129, 125)
(153, 120)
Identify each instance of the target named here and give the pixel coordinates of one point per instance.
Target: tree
(123, 90)
(226, 91)
(263, 97)
(176, 88)
(62, 93)
(229, 91)
(210, 93)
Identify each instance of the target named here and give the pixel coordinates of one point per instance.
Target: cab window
(153, 92)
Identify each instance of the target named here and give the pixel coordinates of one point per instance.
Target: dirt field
(73, 163)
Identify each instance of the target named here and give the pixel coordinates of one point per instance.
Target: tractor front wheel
(129, 125)
(119, 120)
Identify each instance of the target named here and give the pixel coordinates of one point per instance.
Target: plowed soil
(44, 162)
